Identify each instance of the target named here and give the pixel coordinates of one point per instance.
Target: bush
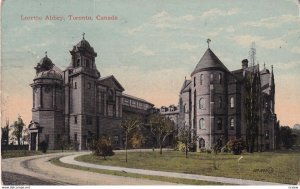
(202, 150)
(208, 151)
(236, 146)
(180, 146)
(192, 147)
(103, 148)
(44, 146)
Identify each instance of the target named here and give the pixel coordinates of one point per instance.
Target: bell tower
(81, 77)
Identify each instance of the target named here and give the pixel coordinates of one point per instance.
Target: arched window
(194, 81)
(219, 124)
(231, 123)
(201, 143)
(220, 102)
(202, 103)
(231, 102)
(202, 124)
(211, 78)
(220, 78)
(184, 108)
(201, 79)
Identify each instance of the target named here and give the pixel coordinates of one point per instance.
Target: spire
(83, 35)
(208, 41)
(45, 53)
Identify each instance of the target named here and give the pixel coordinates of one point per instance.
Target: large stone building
(78, 103)
(212, 103)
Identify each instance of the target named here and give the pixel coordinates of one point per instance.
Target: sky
(152, 45)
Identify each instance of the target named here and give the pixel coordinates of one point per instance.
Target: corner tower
(47, 110)
(80, 92)
(209, 100)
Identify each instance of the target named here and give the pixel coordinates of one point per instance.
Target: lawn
(124, 174)
(280, 167)
(22, 153)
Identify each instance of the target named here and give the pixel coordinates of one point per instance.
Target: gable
(111, 82)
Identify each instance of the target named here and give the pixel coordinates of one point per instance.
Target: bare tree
(128, 125)
(161, 127)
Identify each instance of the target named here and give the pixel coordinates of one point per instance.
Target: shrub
(44, 146)
(208, 151)
(103, 148)
(180, 146)
(192, 147)
(236, 146)
(202, 150)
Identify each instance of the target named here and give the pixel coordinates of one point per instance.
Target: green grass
(262, 166)
(23, 153)
(119, 173)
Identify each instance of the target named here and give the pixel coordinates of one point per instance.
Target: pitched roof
(103, 80)
(185, 86)
(209, 61)
(136, 98)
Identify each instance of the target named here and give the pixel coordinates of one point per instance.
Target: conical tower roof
(209, 61)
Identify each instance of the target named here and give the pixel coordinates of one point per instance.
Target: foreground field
(265, 166)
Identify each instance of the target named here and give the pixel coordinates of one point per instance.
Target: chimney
(245, 64)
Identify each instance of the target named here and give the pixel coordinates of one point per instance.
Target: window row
(219, 124)
(202, 104)
(87, 63)
(212, 78)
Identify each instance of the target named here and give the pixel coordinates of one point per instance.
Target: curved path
(71, 160)
(37, 170)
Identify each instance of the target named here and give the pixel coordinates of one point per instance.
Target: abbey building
(213, 103)
(78, 103)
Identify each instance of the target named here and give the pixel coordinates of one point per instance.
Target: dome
(85, 45)
(48, 74)
(209, 61)
(44, 64)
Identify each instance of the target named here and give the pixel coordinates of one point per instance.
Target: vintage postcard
(136, 92)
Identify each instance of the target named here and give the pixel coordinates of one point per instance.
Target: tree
(161, 127)
(5, 134)
(252, 108)
(128, 125)
(18, 129)
(137, 140)
(185, 136)
(288, 139)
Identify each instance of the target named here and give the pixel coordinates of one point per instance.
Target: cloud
(185, 46)
(143, 50)
(273, 22)
(245, 41)
(219, 12)
(165, 20)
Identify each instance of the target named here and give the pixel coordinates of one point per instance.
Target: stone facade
(79, 104)
(212, 103)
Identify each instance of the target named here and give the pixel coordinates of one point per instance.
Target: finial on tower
(272, 67)
(83, 35)
(264, 65)
(208, 41)
(45, 53)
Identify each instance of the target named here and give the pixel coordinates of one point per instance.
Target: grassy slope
(266, 166)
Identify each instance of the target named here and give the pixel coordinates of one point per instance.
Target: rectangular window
(78, 62)
(267, 134)
(89, 120)
(116, 140)
(75, 119)
(219, 123)
(89, 85)
(87, 63)
(75, 85)
(133, 102)
(126, 101)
